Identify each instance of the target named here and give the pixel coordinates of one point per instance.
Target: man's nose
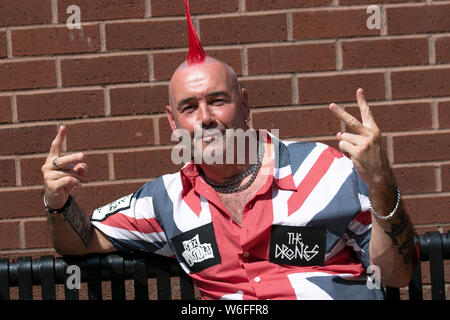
(206, 116)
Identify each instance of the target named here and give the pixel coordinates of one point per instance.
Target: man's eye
(219, 102)
(187, 108)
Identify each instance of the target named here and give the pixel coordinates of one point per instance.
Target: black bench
(47, 272)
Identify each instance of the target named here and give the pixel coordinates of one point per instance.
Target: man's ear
(171, 118)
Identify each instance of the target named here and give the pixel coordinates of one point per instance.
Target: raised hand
(62, 174)
(364, 148)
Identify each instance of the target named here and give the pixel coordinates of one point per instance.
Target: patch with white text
(104, 212)
(197, 248)
(298, 246)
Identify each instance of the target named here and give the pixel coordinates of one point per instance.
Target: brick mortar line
(9, 48)
(18, 171)
(106, 102)
(339, 55)
(50, 25)
(438, 178)
(102, 37)
(104, 52)
(242, 6)
(416, 132)
(145, 51)
(83, 88)
(371, 70)
(78, 121)
(26, 250)
(91, 152)
(26, 219)
(76, 56)
(244, 60)
(54, 8)
(390, 149)
(388, 85)
(161, 115)
(420, 164)
(89, 184)
(427, 195)
(434, 115)
(58, 72)
(147, 9)
(14, 111)
(22, 240)
(116, 181)
(305, 9)
(111, 172)
(232, 14)
(169, 147)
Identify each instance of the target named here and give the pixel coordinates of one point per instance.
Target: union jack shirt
(304, 235)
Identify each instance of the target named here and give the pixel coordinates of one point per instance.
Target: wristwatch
(58, 211)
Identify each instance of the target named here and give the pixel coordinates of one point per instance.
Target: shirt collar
(281, 166)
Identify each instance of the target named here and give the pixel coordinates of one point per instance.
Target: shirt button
(257, 279)
(231, 219)
(246, 254)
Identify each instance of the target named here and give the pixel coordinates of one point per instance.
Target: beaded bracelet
(390, 215)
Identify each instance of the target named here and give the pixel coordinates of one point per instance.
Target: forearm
(71, 231)
(392, 242)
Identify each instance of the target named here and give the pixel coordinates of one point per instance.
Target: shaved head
(185, 68)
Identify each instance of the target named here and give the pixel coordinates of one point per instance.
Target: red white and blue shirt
(304, 235)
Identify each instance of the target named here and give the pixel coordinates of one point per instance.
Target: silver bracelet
(390, 215)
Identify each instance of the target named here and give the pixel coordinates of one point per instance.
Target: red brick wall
(108, 83)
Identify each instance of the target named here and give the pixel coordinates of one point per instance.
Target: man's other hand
(62, 174)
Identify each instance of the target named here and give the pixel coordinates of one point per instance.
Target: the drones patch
(298, 246)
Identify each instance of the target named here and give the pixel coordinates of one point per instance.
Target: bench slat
(415, 286)
(94, 278)
(186, 287)
(4, 279)
(117, 278)
(435, 252)
(140, 279)
(163, 283)
(25, 279)
(47, 271)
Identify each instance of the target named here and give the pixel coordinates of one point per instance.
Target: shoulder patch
(104, 212)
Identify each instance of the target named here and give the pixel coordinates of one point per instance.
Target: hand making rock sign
(62, 174)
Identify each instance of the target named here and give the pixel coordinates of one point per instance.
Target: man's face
(206, 98)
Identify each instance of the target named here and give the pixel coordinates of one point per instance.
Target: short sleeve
(130, 224)
(359, 230)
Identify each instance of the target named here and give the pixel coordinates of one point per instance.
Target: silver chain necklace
(234, 184)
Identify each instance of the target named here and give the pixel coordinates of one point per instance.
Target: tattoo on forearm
(406, 248)
(79, 222)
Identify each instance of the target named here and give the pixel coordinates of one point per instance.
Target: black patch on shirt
(297, 246)
(197, 248)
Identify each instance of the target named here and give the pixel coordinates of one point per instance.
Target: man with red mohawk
(301, 221)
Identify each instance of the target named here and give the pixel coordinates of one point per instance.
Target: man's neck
(220, 173)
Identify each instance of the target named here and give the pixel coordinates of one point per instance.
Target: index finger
(348, 119)
(57, 143)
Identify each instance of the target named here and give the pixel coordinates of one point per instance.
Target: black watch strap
(58, 211)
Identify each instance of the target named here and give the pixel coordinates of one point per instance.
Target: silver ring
(55, 165)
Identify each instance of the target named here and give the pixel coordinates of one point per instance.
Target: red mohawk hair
(196, 53)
